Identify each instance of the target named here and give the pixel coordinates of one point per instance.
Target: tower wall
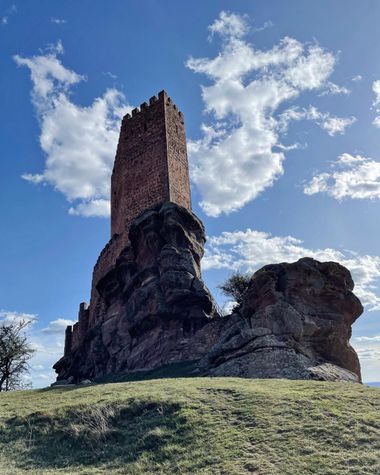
(150, 168)
(151, 162)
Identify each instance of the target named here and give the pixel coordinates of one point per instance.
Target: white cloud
(267, 24)
(110, 75)
(57, 326)
(12, 10)
(7, 316)
(250, 250)
(356, 78)
(376, 91)
(334, 89)
(234, 160)
(354, 177)
(100, 208)
(58, 21)
(79, 141)
(337, 125)
(368, 338)
(376, 102)
(230, 24)
(376, 122)
(368, 350)
(333, 125)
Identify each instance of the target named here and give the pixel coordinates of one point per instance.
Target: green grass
(192, 425)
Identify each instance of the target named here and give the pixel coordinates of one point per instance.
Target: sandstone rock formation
(295, 322)
(152, 306)
(154, 309)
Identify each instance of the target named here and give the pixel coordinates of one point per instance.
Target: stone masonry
(150, 168)
(151, 162)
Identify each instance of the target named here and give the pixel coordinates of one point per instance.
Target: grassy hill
(192, 425)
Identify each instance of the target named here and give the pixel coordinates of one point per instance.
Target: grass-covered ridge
(192, 425)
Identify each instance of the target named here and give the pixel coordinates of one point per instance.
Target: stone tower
(151, 164)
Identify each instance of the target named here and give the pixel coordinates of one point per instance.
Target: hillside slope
(192, 425)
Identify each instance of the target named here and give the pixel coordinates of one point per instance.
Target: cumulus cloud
(79, 142)
(93, 207)
(354, 177)
(238, 155)
(249, 250)
(230, 24)
(357, 78)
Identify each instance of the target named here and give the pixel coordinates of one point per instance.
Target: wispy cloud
(238, 155)
(333, 125)
(334, 89)
(58, 21)
(12, 10)
(266, 25)
(109, 74)
(79, 142)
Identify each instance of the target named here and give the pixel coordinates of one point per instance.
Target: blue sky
(280, 102)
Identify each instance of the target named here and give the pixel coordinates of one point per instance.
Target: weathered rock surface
(295, 322)
(153, 306)
(152, 309)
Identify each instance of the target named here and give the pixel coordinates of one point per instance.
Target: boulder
(295, 322)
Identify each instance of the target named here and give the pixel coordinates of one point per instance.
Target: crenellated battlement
(153, 102)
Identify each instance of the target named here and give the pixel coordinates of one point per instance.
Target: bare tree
(235, 286)
(15, 352)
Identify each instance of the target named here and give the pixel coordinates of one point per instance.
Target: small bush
(235, 287)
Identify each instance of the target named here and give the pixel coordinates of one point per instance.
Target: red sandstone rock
(155, 307)
(295, 322)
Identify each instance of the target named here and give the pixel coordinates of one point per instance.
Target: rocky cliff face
(295, 322)
(153, 304)
(152, 309)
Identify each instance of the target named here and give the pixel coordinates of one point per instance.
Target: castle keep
(151, 164)
(150, 168)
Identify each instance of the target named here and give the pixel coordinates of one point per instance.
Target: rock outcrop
(153, 309)
(295, 322)
(152, 306)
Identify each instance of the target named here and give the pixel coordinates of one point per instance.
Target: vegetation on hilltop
(192, 425)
